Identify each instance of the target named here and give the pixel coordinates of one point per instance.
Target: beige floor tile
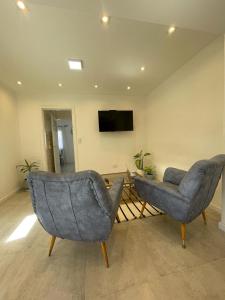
(146, 261)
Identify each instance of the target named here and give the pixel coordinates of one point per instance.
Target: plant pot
(25, 185)
(140, 172)
(149, 176)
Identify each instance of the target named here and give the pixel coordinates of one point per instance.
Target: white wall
(222, 223)
(185, 113)
(103, 152)
(180, 122)
(9, 143)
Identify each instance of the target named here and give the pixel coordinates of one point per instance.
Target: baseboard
(4, 198)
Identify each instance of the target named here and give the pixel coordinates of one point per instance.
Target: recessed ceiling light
(19, 82)
(60, 84)
(21, 5)
(142, 68)
(105, 19)
(128, 87)
(171, 29)
(75, 64)
(95, 86)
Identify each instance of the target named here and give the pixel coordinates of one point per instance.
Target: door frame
(43, 136)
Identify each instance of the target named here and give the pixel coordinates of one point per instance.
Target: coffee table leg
(142, 209)
(118, 218)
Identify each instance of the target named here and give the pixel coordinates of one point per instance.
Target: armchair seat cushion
(174, 187)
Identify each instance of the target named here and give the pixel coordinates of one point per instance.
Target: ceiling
(35, 46)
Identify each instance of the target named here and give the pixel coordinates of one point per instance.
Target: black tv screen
(115, 120)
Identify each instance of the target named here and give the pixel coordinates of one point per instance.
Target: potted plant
(139, 161)
(26, 168)
(149, 172)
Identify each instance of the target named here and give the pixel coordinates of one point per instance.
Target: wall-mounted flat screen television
(115, 120)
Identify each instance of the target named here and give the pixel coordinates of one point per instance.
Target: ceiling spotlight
(75, 64)
(171, 29)
(21, 5)
(19, 82)
(128, 87)
(142, 68)
(95, 86)
(60, 84)
(105, 19)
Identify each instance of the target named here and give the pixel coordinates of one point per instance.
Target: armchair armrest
(115, 193)
(174, 175)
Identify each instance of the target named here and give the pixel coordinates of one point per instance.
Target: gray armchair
(75, 206)
(183, 195)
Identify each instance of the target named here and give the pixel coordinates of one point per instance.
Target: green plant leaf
(26, 162)
(138, 164)
(147, 153)
(27, 167)
(150, 170)
(34, 164)
(137, 155)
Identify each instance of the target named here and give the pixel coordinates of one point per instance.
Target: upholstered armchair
(75, 206)
(183, 195)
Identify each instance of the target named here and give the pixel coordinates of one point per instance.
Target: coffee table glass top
(110, 178)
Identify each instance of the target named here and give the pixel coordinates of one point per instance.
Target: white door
(55, 144)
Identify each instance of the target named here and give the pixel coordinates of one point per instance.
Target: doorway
(59, 142)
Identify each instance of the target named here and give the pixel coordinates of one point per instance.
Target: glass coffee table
(131, 204)
(110, 178)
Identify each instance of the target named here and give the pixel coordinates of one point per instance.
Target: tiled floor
(146, 261)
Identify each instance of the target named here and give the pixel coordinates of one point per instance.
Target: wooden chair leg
(204, 217)
(142, 209)
(183, 234)
(104, 253)
(52, 242)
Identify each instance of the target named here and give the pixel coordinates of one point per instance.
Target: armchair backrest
(200, 182)
(74, 206)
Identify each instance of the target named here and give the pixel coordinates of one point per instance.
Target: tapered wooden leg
(183, 234)
(204, 217)
(104, 253)
(142, 209)
(52, 242)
